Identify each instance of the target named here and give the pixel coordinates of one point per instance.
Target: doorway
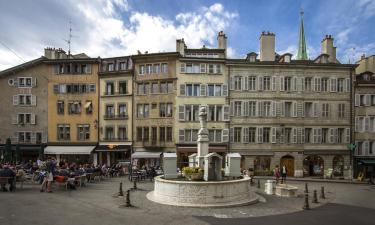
(288, 161)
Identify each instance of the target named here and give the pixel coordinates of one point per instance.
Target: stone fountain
(214, 191)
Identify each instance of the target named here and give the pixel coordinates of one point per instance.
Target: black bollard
(120, 192)
(258, 184)
(306, 205)
(134, 185)
(306, 188)
(322, 195)
(315, 197)
(127, 200)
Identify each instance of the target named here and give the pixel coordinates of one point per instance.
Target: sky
(109, 28)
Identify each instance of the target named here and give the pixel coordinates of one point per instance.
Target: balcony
(115, 139)
(116, 117)
(115, 93)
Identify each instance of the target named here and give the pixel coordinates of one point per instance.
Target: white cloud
(100, 29)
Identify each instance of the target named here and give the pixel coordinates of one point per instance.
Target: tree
(18, 154)
(8, 150)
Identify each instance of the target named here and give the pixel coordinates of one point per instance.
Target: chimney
(222, 42)
(180, 46)
(267, 46)
(327, 48)
(50, 53)
(363, 56)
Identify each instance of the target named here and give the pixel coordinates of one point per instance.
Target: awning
(69, 150)
(146, 155)
(88, 104)
(367, 162)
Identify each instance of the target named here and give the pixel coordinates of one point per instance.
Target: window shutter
(282, 108)
(14, 118)
(226, 113)
(319, 135)
(273, 85)
(260, 83)
(15, 100)
(231, 108)
(245, 131)
(231, 133)
(357, 100)
(302, 85)
(333, 84)
(231, 83)
(245, 83)
(356, 124)
(273, 135)
(182, 68)
(181, 135)
(295, 110)
(44, 137)
(302, 109)
(294, 135)
(318, 84)
(316, 109)
(260, 134)
(330, 135)
(245, 108)
(347, 85)
(33, 137)
(373, 148)
(273, 108)
(315, 131)
(282, 83)
(225, 90)
(225, 135)
(335, 134)
(294, 84)
(182, 89)
(365, 147)
(302, 135)
(33, 99)
(33, 82)
(203, 68)
(33, 119)
(203, 90)
(347, 135)
(181, 113)
(260, 108)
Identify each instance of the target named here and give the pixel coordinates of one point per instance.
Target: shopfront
(112, 154)
(76, 154)
(313, 165)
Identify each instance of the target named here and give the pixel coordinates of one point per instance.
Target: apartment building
(202, 81)
(115, 110)
(364, 117)
(291, 112)
(154, 106)
(24, 108)
(72, 105)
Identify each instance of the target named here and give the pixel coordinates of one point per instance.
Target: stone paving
(95, 204)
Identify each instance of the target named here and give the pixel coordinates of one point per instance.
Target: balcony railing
(116, 117)
(115, 139)
(114, 93)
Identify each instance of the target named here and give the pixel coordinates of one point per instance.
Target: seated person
(7, 172)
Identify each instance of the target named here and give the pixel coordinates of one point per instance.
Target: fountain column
(202, 141)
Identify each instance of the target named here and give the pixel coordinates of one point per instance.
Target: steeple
(302, 53)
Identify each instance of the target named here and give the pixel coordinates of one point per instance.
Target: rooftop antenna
(69, 40)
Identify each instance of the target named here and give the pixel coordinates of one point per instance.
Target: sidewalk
(314, 179)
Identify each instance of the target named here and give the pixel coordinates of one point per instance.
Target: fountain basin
(203, 193)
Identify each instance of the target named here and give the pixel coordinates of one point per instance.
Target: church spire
(302, 53)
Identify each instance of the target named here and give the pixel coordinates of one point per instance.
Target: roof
(23, 66)
(155, 54)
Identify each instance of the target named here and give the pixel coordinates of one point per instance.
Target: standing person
(8, 172)
(283, 174)
(51, 165)
(277, 173)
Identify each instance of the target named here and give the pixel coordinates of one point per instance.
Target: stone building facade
(72, 105)
(290, 112)
(364, 117)
(202, 80)
(154, 106)
(115, 110)
(24, 108)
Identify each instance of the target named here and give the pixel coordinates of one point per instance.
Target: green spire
(302, 53)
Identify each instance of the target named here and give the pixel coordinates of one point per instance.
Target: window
(214, 89)
(154, 88)
(192, 90)
(252, 83)
(266, 83)
(215, 113)
(267, 109)
(192, 68)
(324, 135)
(161, 134)
(122, 111)
(89, 107)
(309, 111)
(237, 83)
(122, 66)
(252, 108)
(148, 68)
(169, 134)
(214, 68)
(109, 88)
(288, 135)
(109, 133)
(143, 88)
(288, 83)
(340, 135)
(146, 134)
(324, 84)
(60, 107)
(141, 69)
(191, 112)
(25, 82)
(25, 118)
(252, 133)
(63, 132)
(154, 134)
(266, 134)
(340, 85)
(288, 109)
(163, 87)
(214, 135)
(308, 83)
(237, 108)
(341, 110)
(165, 109)
(139, 133)
(74, 107)
(83, 132)
(170, 87)
(325, 110)
(122, 87)
(25, 99)
(308, 133)
(38, 137)
(111, 67)
(143, 110)
(109, 111)
(24, 137)
(237, 134)
(122, 135)
(164, 68)
(191, 135)
(156, 69)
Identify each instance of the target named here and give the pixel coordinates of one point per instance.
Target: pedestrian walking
(283, 174)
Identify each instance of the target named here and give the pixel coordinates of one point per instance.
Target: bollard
(306, 205)
(322, 195)
(134, 185)
(120, 192)
(127, 200)
(315, 197)
(306, 188)
(258, 184)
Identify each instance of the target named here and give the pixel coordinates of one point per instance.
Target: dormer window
(287, 59)
(324, 59)
(110, 67)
